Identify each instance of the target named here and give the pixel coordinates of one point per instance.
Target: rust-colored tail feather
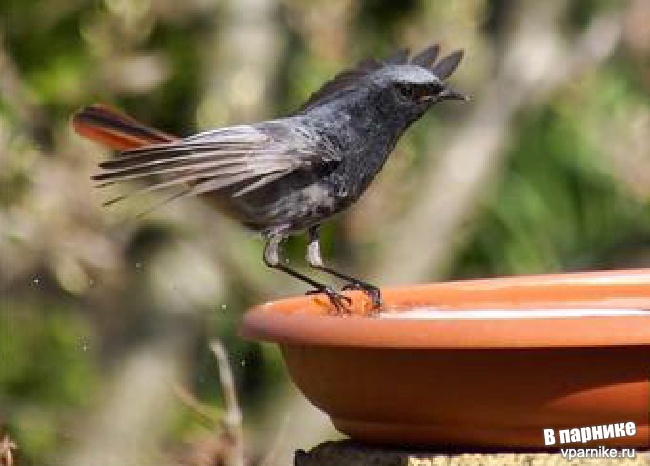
(115, 130)
(118, 131)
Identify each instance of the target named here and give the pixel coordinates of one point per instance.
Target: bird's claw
(370, 290)
(340, 302)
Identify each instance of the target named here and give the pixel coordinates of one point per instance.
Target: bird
(285, 176)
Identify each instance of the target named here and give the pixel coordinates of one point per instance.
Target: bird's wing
(247, 156)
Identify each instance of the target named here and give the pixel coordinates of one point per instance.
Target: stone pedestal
(348, 453)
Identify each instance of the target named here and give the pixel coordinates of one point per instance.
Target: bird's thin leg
(272, 259)
(315, 260)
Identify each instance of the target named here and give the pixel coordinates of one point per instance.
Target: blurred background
(106, 318)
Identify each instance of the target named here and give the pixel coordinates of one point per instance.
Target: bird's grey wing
(247, 156)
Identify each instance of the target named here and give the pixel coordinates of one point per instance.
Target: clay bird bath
(488, 362)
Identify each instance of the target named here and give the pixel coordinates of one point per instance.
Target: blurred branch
(232, 421)
(536, 62)
(226, 447)
(195, 405)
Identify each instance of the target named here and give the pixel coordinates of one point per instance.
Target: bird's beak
(450, 94)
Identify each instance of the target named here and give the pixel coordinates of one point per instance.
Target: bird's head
(411, 86)
(402, 88)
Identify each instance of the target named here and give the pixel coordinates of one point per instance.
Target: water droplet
(223, 306)
(35, 281)
(138, 265)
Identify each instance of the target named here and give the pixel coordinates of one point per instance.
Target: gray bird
(286, 176)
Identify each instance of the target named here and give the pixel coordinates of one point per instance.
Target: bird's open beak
(450, 94)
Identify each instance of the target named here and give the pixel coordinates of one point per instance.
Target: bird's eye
(406, 90)
(422, 92)
(419, 92)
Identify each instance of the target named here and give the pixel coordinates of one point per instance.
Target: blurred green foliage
(83, 287)
(46, 356)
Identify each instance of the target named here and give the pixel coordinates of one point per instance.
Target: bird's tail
(115, 130)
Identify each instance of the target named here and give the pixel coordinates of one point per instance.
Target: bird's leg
(315, 260)
(272, 259)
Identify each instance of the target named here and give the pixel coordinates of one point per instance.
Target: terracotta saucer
(477, 363)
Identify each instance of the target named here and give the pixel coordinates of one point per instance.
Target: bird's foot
(370, 290)
(340, 302)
